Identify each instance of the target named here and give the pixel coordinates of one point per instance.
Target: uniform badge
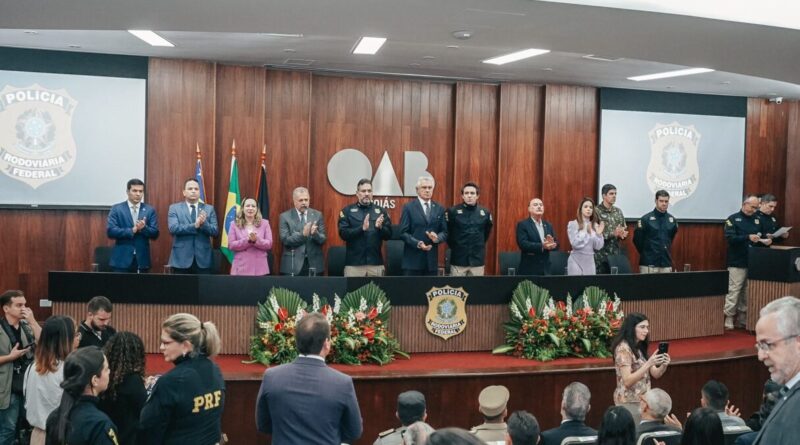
(652, 218)
(447, 314)
(354, 210)
(673, 160)
(756, 221)
(36, 142)
(483, 213)
(459, 211)
(377, 210)
(738, 219)
(671, 219)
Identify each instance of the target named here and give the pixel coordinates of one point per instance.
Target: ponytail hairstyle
(203, 336)
(79, 368)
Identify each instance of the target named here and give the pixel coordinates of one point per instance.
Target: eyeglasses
(766, 346)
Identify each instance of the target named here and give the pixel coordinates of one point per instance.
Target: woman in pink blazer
(250, 238)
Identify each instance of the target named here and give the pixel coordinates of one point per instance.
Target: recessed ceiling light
(453, 46)
(547, 69)
(462, 34)
(515, 56)
(74, 46)
(772, 94)
(725, 82)
(31, 32)
(150, 37)
(415, 64)
(369, 45)
(664, 75)
(428, 57)
(277, 34)
(289, 50)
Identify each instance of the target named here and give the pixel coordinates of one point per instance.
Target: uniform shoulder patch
(728, 222)
(341, 214)
(113, 436)
(757, 221)
(639, 224)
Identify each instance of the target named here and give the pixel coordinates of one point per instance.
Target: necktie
(427, 211)
(303, 219)
(193, 214)
(135, 213)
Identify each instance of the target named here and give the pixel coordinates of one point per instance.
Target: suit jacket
(297, 247)
(306, 402)
(119, 227)
(654, 426)
(535, 259)
(413, 226)
(190, 243)
(782, 427)
(569, 428)
(250, 258)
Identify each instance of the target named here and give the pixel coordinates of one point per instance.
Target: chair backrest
(216, 262)
(621, 262)
(102, 257)
(558, 262)
(575, 440)
(668, 437)
(509, 259)
(733, 432)
(336, 256)
(394, 257)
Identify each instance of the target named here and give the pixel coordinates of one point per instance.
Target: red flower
(283, 314)
(373, 313)
(609, 306)
(278, 327)
(325, 309)
(561, 306)
(532, 312)
(369, 332)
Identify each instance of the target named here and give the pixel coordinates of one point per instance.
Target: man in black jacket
(653, 237)
(574, 407)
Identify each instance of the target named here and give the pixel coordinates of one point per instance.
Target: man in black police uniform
(96, 329)
(653, 237)
(363, 226)
(769, 224)
(742, 230)
(468, 228)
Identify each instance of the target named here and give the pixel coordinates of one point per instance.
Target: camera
(777, 100)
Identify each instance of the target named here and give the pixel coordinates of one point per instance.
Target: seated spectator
(655, 407)
(703, 427)
(714, 395)
(492, 404)
(125, 396)
(453, 436)
(96, 329)
(617, 427)
(770, 396)
(417, 433)
(523, 429)
(574, 407)
(410, 409)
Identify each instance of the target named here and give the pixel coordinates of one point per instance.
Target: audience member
(703, 427)
(453, 436)
(42, 386)
(17, 337)
(417, 433)
(714, 395)
(78, 420)
(306, 402)
(574, 407)
(492, 404)
(523, 429)
(770, 396)
(124, 399)
(187, 402)
(96, 328)
(410, 409)
(617, 427)
(655, 407)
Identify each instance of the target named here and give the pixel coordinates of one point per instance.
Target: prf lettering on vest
(207, 401)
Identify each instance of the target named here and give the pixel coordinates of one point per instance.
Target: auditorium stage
(452, 381)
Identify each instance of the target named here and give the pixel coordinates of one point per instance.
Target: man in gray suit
(302, 232)
(306, 402)
(192, 224)
(778, 343)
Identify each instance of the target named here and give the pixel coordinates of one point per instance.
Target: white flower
(602, 309)
(264, 325)
(351, 316)
(274, 303)
(362, 305)
(315, 303)
(546, 312)
(515, 311)
(617, 303)
(337, 304)
(379, 306)
(300, 314)
(586, 304)
(329, 316)
(569, 305)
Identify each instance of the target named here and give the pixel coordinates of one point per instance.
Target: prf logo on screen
(349, 165)
(36, 143)
(673, 160)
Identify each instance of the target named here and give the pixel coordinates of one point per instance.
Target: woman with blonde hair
(586, 236)
(250, 238)
(187, 402)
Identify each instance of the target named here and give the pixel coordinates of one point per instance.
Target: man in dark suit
(305, 402)
(655, 407)
(192, 224)
(302, 232)
(778, 343)
(132, 224)
(535, 238)
(574, 407)
(422, 227)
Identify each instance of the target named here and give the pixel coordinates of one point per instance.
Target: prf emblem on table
(447, 314)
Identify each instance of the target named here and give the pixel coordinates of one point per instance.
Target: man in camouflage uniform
(410, 409)
(615, 229)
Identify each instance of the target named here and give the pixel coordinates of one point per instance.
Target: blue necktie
(193, 215)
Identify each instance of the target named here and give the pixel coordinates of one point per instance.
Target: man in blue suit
(535, 238)
(192, 224)
(306, 402)
(132, 224)
(422, 227)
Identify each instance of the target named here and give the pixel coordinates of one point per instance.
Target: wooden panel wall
(517, 140)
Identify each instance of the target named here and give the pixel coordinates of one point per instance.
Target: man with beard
(468, 228)
(615, 230)
(363, 226)
(96, 330)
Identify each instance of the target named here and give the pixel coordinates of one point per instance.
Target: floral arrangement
(542, 329)
(359, 331)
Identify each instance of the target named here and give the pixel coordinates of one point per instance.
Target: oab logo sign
(349, 165)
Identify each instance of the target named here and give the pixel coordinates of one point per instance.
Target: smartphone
(663, 347)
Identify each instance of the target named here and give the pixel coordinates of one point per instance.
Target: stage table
(679, 305)
(771, 274)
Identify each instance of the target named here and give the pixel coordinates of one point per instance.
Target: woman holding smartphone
(633, 366)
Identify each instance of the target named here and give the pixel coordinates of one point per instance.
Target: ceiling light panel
(516, 56)
(667, 74)
(150, 37)
(369, 45)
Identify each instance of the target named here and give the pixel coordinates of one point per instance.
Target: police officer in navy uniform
(769, 224)
(410, 409)
(742, 230)
(363, 226)
(187, 402)
(468, 229)
(653, 237)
